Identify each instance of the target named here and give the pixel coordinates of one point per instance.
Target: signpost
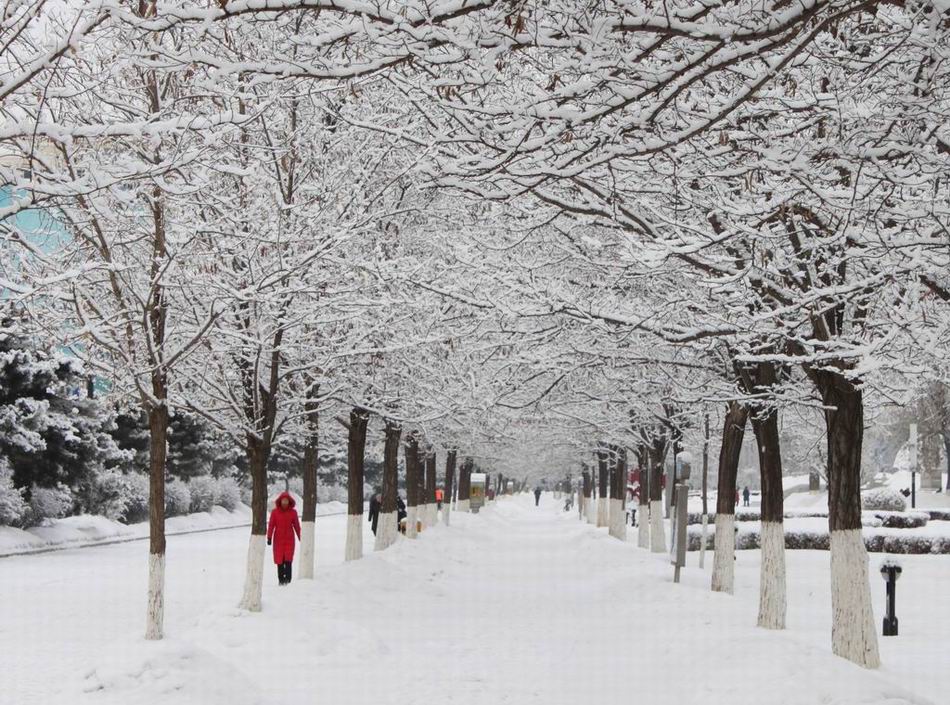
(680, 495)
(680, 539)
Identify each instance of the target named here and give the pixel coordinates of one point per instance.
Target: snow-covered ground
(515, 605)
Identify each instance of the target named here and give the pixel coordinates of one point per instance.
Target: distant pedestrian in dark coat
(375, 502)
(745, 496)
(537, 496)
(400, 509)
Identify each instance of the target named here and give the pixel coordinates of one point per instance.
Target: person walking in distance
(745, 496)
(375, 504)
(537, 496)
(281, 528)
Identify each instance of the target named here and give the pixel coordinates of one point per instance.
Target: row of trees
(523, 229)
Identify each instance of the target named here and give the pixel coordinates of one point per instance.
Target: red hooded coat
(281, 528)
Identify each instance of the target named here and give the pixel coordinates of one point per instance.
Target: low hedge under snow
(807, 539)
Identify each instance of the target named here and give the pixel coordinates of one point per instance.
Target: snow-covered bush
(885, 499)
(177, 498)
(333, 493)
(227, 494)
(202, 493)
(136, 496)
(49, 503)
(12, 505)
(294, 485)
(104, 494)
(903, 520)
(796, 539)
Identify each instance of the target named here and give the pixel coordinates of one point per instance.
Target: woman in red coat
(281, 528)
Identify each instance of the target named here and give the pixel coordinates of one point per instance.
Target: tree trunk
(156, 309)
(387, 527)
(772, 570)
(618, 490)
(603, 477)
(585, 493)
(643, 497)
(450, 459)
(254, 577)
(705, 518)
(421, 488)
(432, 508)
(657, 453)
(723, 575)
(158, 448)
(412, 484)
(465, 486)
(311, 459)
(853, 635)
(946, 452)
(355, 450)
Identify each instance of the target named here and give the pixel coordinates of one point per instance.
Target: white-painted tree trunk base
(412, 514)
(643, 525)
(446, 513)
(307, 534)
(463, 506)
(852, 621)
(602, 511)
(657, 529)
(618, 520)
(702, 541)
(591, 510)
(354, 537)
(387, 529)
(724, 554)
(772, 576)
(254, 576)
(155, 610)
(432, 514)
(422, 515)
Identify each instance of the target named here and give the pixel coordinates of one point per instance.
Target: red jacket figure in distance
(281, 528)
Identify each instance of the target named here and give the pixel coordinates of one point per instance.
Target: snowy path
(61, 611)
(516, 605)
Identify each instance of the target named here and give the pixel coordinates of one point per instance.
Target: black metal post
(890, 574)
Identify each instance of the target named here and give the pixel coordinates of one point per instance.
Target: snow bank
(82, 529)
(173, 673)
(87, 530)
(807, 500)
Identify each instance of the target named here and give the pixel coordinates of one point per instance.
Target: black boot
(287, 567)
(280, 574)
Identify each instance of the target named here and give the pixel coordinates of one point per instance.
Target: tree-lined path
(516, 604)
